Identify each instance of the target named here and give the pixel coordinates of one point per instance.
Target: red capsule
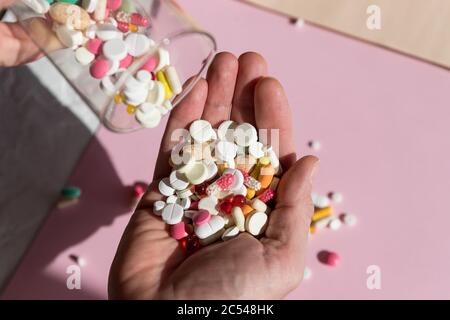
(123, 26)
(238, 201)
(226, 207)
(194, 205)
(200, 189)
(139, 20)
(190, 244)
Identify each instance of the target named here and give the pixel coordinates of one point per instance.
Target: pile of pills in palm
(110, 36)
(221, 184)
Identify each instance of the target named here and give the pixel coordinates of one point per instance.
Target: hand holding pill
(233, 246)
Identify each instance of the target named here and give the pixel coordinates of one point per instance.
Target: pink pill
(201, 217)
(178, 231)
(125, 62)
(139, 189)
(329, 258)
(99, 68)
(113, 4)
(94, 45)
(150, 64)
(106, 13)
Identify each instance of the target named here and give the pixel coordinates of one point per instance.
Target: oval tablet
(138, 44)
(84, 56)
(255, 223)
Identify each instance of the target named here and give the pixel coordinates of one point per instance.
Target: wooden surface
(420, 28)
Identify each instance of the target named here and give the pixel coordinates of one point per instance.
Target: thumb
(289, 222)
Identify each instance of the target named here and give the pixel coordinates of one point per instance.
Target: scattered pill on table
(348, 219)
(315, 145)
(307, 273)
(336, 197)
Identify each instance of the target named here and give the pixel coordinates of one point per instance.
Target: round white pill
(226, 130)
(315, 145)
(242, 191)
(245, 134)
(144, 76)
(256, 149)
(177, 181)
(335, 224)
(171, 199)
(149, 119)
(349, 219)
(107, 31)
(230, 233)
(115, 49)
(138, 44)
(84, 56)
(321, 201)
(197, 173)
(255, 223)
(336, 197)
(158, 207)
(164, 187)
(200, 131)
(225, 150)
(172, 213)
(209, 204)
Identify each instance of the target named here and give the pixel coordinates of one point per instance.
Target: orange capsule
(266, 175)
(246, 209)
(132, 27)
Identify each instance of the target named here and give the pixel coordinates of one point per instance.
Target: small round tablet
(200, 130)
(177, 181)
(172, 213)
(158, 206)
(256, 149)
(197, 173)
(138, 44)
(225, 150)
(165, 188)
(226, 130)
(245, 134)
(115, 49)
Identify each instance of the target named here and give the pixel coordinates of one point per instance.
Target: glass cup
(191, 50)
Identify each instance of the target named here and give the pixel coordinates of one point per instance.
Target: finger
(272, 112)
(15, 45)
(221, 82)
(181, 117)
(289, 222)
(252, 67)
(6, 3)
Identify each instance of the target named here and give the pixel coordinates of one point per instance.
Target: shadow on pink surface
(102, 200)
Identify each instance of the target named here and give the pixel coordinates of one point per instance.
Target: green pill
(71, 192)
(66, 1)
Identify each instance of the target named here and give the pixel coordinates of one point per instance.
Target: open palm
(149, 264)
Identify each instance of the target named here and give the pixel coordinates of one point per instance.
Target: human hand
(15, 45)
(149, 264)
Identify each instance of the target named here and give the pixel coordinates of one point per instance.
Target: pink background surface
(382, 119)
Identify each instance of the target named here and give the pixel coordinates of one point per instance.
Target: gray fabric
(40, 143)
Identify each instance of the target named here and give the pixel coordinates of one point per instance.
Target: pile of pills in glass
(110, 36)
(222, 183)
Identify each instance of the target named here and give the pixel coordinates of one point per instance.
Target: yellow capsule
(118, 99)
(250, 193)
(131, 109)
(322, 213)
(133, 27)
(162, 78)
(312, 229)
(256, 170)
